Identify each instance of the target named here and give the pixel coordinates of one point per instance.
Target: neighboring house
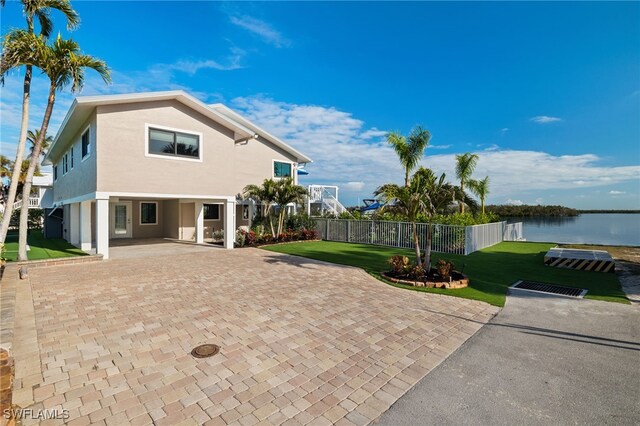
(159, 164)
(40, 193)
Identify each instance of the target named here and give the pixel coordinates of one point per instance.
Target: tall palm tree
(409, 150)
(32, 137)
(465, 165)
(40, 10)
(423, 196)
(481, 189)
(287, 192)
(63, 64)
(264, 194)
(6, 165)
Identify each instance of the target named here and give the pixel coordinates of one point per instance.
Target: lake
(621, 229)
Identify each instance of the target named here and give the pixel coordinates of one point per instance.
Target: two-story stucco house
(158, 165)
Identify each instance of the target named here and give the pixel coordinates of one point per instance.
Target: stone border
(57, 262)
(461, 283)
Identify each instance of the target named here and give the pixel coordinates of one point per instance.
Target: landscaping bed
(491, 271)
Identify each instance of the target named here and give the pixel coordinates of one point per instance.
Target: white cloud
(539, 200)
(492, 147)
(262, 29)
(511, 202)
(354, 186)
(440, 146)
(613, 192)
(544, 119)
(344, 150)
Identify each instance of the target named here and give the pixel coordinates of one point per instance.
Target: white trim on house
(228, 112)
(140, 213)
(148, 126)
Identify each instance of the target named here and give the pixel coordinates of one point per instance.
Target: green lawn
(41, 248)
(491, 271)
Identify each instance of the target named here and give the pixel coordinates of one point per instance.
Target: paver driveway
(302, 341)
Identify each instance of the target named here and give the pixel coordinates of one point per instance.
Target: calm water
(610, 229)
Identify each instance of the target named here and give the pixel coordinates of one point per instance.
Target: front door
(120, 219)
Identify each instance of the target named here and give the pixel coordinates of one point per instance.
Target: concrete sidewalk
(541, 360)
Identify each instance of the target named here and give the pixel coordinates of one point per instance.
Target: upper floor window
(55, 173)
(86, 144)
(71, 157)
(281, 169)
(174, 144)
(65, 164)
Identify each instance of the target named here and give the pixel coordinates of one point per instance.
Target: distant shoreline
(609, 211)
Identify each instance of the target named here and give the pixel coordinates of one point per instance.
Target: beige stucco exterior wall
(80, 180)
(187, 221)
(226, 168)
(171, 216)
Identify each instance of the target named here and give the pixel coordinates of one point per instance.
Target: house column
(102, 227)
(85, 225)
(199, 222)
(74, 224)
(229, 224)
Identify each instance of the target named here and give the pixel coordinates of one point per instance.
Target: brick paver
(302, 341)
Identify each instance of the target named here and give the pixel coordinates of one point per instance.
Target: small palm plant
(264, 194)
(409, 150)
(481, 189)
(465, 165)
(287, 192)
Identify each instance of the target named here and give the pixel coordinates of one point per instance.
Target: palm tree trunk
(462, 201)
(17, 166)
(281, 220)
(427, 251)
(416, 243)
(33, 163)
(406, 177)
(482, 200)
(273, 232)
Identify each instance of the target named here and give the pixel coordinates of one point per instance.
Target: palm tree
(465, 165)
(64, 64)
(264, 194)
(481, 189)
(410, 150)
(287, 192)
(40, 10)
(32, 137)
(423, 196)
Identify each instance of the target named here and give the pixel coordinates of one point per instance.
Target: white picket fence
(444, 238)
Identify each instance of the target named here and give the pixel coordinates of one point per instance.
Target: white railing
(480, 236)
(513, 232)
(327, 196)
(444, 238)
(34, 202)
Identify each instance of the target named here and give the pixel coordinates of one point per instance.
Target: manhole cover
(205, 351)
(550, 288)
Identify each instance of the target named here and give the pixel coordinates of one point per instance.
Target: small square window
(148, 213)
(281, 169)
(212, 211)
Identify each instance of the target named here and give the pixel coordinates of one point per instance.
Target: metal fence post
(348, 231)
(327, 230)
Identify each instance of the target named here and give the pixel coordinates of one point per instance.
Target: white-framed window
(282, 169)
(148, 213)
(55, 173)
(71, 152)
(65, 164)
(86, 144)
(212, 211)
(177, 144)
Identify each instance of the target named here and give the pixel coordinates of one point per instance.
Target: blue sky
(548, 94)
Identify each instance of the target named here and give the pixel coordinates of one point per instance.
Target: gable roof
(82, 107)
